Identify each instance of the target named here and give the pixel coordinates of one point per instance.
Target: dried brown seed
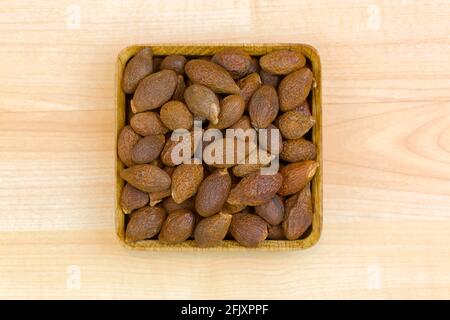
(170, 205)
(148, 148)
(303, 108)
(177, 227)
(179, 90)
(298, 214)
(147, 123)
(249, 85)
(145, 223)
(276, 233)
(213, 193)
(254, 67)
(236, 61)
(256, 160)
(137, 68)
(132, 198)
(179, 150)
(296, 176)
(298, 150)
(248, 229)
(231, 110)
(294, 89)
(158, 196)
(227, 152)
(154, 90)
(125, 144)
(271, 211)
(202, 102)
(265, 140)
(255, 189)
(186, 180)
(232, 208)
(243, 123)
(282, 62)
(211, 75)
(174, 62)
(269, 79)
(263, 107)
(294, 125)
(146, 177)
(210, 231)
(175, 115)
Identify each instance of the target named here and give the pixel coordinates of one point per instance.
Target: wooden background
(386, 84)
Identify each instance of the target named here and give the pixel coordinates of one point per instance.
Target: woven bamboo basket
(311, 54)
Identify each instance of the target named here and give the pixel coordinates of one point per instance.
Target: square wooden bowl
(311, 54)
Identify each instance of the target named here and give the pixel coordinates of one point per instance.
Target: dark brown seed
(211, 75)
(294, 125)
(248, 229)
(255, 189)
(202, 102)
(243, 123)
(254, 67)
(175, 115)
(125, 144)
(231, 110)
(296, 176)
(256, 160)
(210, 231)
(231, 209)
(137, 69)
(145, 223)
(178, 227)
(146, 177)
(236, 61)
(174, 62)
(213, 193)
(303, 108)
(132, 198)
(282, 62)
(298, 150)
(265, 140)
(298, 214)
(263, 107)
(158, 196)
(269, 79)
(227, 152)
(154, 90)
(148, 149)
(294, 89)
(276, 233)
(147, 123)
(179, 150)
(249, 85)
(271, 211)
(170, 205)
(179, 90)
(186, 180)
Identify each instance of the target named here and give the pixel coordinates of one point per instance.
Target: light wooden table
(386, 99)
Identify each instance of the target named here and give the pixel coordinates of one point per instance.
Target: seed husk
(137, 68)
(210, 231)
(144, 223)
(248, 229)
(178, 227)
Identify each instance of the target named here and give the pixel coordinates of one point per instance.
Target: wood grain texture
(386, 134)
